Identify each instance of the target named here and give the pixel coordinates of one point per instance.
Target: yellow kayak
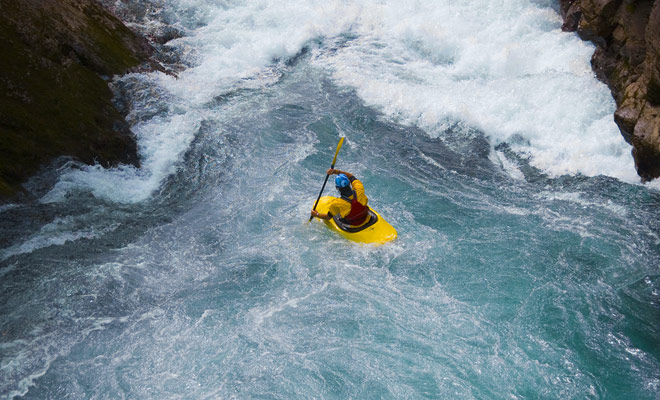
(376, 230)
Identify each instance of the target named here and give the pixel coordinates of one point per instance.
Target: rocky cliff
(627, 58)
(56, 59)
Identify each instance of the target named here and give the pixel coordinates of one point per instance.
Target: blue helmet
(341, 181)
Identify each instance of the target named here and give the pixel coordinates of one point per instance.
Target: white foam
(162, 142)
(236, 48)
(654, 185)
(56, 233)
(577, 198)
(260, 314)
(240, 42)
(497, 157)
(505, 68)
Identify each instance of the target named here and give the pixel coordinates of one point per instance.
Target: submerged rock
(57, 56)
(627, 58)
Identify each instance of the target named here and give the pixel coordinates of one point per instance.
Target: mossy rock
(53, 99)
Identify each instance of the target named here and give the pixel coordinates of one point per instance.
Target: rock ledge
(57, 56)
(627, 59)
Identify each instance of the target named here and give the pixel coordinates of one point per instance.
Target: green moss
(50, 106)
(5, 189)
(110, 47)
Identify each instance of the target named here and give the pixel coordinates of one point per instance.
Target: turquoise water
(199, 276)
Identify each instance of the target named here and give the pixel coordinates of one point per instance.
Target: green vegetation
(53, 101)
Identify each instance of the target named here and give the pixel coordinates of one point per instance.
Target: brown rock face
(54, 100)
(627, 58)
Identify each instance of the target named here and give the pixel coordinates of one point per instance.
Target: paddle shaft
(334, 160)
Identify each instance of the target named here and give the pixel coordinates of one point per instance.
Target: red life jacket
(358, 214)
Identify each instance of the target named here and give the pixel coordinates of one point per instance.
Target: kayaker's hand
(315, 213)
(330, 171)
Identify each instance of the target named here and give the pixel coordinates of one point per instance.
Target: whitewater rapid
(526, 261)
(505, 69)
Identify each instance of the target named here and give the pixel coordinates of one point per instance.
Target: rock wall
(55, 59)
(627, 58)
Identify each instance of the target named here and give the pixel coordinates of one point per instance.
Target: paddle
(341, 141)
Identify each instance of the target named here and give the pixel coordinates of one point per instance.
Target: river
(527, 259)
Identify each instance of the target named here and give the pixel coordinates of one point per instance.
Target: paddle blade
(341, 141)
(334, 160)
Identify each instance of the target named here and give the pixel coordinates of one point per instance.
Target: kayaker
(352, 205)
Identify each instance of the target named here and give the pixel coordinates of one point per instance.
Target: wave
(505, 69)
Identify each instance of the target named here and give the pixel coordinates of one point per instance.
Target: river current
(528, 252)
